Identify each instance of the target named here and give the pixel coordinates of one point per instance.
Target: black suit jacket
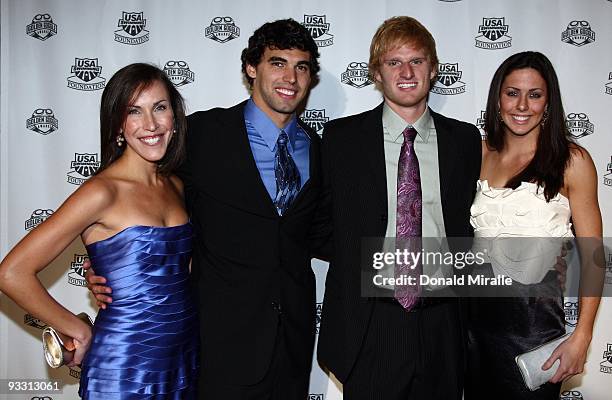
(251, 266)
(355, 190)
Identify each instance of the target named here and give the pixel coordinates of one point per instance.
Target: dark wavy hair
(120, 91)
(282, 34)
(552, 155)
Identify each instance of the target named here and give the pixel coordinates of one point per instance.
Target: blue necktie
(286, 173)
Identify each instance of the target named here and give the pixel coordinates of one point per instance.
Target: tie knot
(409, 134)
(282, 138)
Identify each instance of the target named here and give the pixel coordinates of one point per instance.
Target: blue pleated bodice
(145, 343)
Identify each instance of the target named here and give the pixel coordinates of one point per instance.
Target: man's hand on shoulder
(95, 284)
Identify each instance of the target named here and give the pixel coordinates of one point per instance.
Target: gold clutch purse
(54, 349)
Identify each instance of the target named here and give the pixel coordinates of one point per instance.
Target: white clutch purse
(54, 349)
(530, 363)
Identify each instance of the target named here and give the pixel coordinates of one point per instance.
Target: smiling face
(522, 101)
(149, 124)
(404, 76)
(280, 82)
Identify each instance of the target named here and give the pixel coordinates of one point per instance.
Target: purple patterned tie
(409, 215)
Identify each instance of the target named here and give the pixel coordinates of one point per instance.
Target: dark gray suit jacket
(355, 194)
(252, 267)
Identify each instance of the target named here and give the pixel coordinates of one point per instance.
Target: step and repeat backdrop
(56, 57)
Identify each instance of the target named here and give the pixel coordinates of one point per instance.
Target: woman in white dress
(533, 181)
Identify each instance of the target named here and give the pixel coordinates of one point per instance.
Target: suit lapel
(313, 162)
(313, 165)
(313, 154)
(446, 158)
(240, 163)
(373, 147)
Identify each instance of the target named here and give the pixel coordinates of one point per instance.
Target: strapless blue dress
(145, 343)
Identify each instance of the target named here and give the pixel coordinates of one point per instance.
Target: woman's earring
(120, 139)
(499, 117)
(544, 116)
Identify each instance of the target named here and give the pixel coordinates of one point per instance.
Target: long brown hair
(120, 91)
(552, 155)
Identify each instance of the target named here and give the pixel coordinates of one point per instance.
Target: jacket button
(383, 217)
(276, 306)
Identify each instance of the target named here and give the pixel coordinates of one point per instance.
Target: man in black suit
(377, 348)
(252, 178)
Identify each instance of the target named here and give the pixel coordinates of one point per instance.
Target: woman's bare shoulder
(580, 173)
(177, 183)
(99, 189)
(580, 161)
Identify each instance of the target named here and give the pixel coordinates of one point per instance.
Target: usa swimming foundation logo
(608, 176)
(579, 125)
(86, 75)
(222, 29)
(578, 33)
(37, 217)
(571, 395)
(179, 73)
(570, 308)
(356, 75)
(606, 365)
(319, 29)
(83, 166)
(42, 27)
(317, 396)
(480, 123)
(30, 320)
(493, 34)
(42, 121)
(449, 80)
(76, 276)
(609, 84)
(132, 30)
(315, 119)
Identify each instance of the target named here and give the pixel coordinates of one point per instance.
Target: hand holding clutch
(57, 347)
(530, 363)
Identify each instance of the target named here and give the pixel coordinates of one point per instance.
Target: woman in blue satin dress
(132, 220)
